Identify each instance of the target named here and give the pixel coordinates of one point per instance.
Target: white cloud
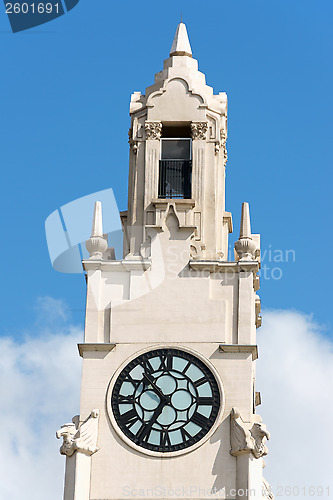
(50, 310)
(295, 378)
(39, 380)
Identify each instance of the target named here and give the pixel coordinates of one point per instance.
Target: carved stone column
(198, 132)
(79, 443)
(247, 441)
(153, 135)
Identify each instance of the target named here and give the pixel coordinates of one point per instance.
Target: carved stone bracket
(247, 437)
(196, 248)
(199, 130)
(259, 434)
(133, 144)
(153, 130)
(240, 437)
(223, 136)
(257, 302)
(81, 438)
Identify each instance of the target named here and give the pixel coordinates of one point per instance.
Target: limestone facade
(174, 287)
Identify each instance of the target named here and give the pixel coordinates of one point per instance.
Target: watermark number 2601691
(31, 8)
(23, 14)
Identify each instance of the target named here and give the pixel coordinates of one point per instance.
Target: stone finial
(245, 246)
(181, 44)
(96, 245)
(245, 227)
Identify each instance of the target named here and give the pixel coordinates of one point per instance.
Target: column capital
(153, 130)
(199, 130)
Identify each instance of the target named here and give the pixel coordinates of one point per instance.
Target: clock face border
(147, 451)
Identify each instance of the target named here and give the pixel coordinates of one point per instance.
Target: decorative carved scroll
(223, 136)
(153, 130)
(133, 144)
(259, 434)
(199, 130)
(247, 437)
(81, 438)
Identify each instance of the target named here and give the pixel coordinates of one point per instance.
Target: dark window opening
(175, 169)
(176, 131)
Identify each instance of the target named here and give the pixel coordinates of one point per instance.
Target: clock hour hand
(151, 381)
(145, 430)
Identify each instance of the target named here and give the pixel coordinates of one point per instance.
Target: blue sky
(65, 90)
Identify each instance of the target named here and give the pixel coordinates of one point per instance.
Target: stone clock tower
(168, 391)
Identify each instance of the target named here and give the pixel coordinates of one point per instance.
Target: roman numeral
(187, 367)
(165, 439)
(130, 417)
(201, 381)
(200, 420)
(185, 434)
(124, 399)
(166, 362)
(205, 401)
(147, 366)
(143, 433)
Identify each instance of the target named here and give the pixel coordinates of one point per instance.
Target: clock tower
(168, 395)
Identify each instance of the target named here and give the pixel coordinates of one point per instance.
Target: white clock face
(165, 400)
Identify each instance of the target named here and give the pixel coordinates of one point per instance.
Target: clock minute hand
(154, 386)
(146, 430)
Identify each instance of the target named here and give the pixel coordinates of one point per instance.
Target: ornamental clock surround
(166, 401)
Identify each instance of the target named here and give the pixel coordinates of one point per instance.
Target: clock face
(165, 400)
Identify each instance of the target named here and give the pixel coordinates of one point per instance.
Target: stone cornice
(82, 348)
(214, 266)
(181, 202)
(117, 265)
(240, 348)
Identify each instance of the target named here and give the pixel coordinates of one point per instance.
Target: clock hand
(154, 386)
(144, 431)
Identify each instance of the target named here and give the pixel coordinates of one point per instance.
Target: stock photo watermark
(272, 261)
(25, 15)
(195, 491)
(68, 227)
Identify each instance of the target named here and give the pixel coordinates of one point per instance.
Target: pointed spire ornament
(245, 227)
(96, 245)
(181, 44)
(245, 246)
